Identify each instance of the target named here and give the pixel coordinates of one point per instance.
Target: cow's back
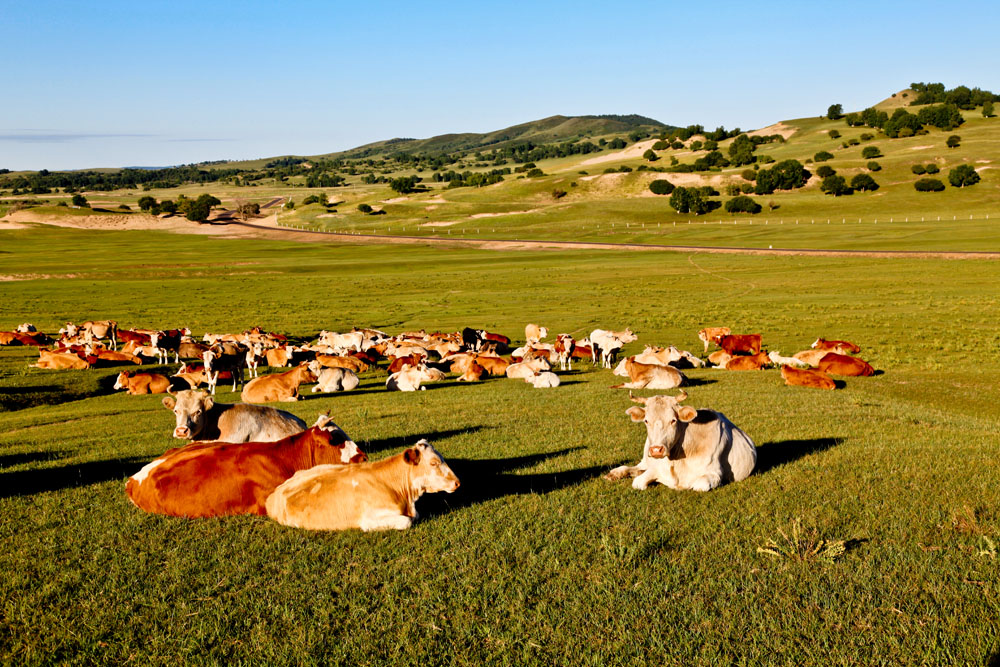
(739, 452)
(331, 497)
(712, 435)
(243, 422)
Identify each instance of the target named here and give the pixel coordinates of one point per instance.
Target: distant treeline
(962, 97)
(44, 181)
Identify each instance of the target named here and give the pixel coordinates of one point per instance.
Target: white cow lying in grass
(687, 448)
(411, 377)
(545, 380)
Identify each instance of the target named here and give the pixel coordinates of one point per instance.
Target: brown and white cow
(26, 327)
(278, 386)
(841, 364)
(807, 378)
(687, 448)
(369, 496)
(222, 479)
(668, 356)
(100, 329)
(810, 357)
(649, 376)
(534, 333)
(609, 343)
(712, 335)
(838, 346)
(199, 417)
(740, 344)
(564, 351)
(143, 383)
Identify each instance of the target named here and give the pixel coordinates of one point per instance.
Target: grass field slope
(868, 533)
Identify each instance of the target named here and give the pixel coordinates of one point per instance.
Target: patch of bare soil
(778, 128)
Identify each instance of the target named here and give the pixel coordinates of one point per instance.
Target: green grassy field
(535, 559)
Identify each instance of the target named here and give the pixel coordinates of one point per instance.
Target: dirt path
(517, 244)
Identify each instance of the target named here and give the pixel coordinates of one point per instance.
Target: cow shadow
(770, 455)
(369, 446)
(483, 480)
(697, 382)
(993, 660)
(9, 460)
(30, 482)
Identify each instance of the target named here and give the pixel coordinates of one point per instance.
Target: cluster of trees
(921, 169)
(836, 185)
(44, 181)
(961, 96)
(404, 185)
(324, 179)
(197, 210)
(661, 186)
(785, 175)
(150, 205)
(902, 123)
(961, 176)
(527, 151)
(476, 179)
(693, 200)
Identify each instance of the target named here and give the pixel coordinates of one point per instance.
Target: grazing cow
(143, 383)
(687, 448)
(650, 376)
(753, 362)
(61, 361)
(712, 335)
(224, 479)
(545, 380)
(779, 360)
(370, 496)
(26, 327)
(810, 357)
(526, 369)
(534, 333)
(564, 351)
(278, 386)
(199, 417)
(841, 364)
(608, 343)
(741, 344)
(410, 378)
(838, 346)
(335, 379)
(807, 378)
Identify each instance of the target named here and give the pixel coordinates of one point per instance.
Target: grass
(535, 559)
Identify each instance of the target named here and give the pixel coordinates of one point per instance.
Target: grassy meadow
(536, 559)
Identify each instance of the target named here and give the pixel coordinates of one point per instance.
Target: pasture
(536, 559)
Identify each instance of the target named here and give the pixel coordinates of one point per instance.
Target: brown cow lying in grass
(841, 364)
(807, 378)
(143, 383)
(278, 386)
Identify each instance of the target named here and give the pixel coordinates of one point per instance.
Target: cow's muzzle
(657, 451)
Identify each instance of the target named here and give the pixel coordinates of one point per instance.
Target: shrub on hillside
(695, 146)
(954, 141)
(732, 190)
(918, 169)
(749, 174)
(962, 175)
(741, 151)
(710, 145)
(661, 186)
(823, 156)
(853, 141)
(825, 171)
(81, 201)
(650, 155)
(364, 208)
(834, 134)
(863, 183)
(929, 185)
(677, 145)
(742, 204)
(988, 109)
(867, 136)
(535, 173)
(835, 185)
(688, 200)
(661, 145)
(871, 152)
(874, 166)
(746, 188)
(785, 175)
(168, 206)
(146, 203)
(932, 168)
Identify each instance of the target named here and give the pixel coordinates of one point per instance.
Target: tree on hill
(81, 201)
(825, 170)
(146, 203)
(962, 175)
(954, 141)
(834, 134)
(835, 112)
(874, 166)
(167, 206)
(988, 109)
(404, 184)
(661, 145)
(617, 143)
(784, 175)
(928, 185)
(864, 182)
(650, 155)
(742, 204)
(823, 156)
(741, 151)
(661, 187)
(871, 152)
(836, 186)
(364, 208)
(688, 200)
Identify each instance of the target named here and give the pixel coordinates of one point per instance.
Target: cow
(224, 479)
(544, 380)
(199, 417)
(335, 361)
(608, 343)
(255, 350)
(342, 342)
(807, 378)
(278, 357)
(495, 366)
(841, 364)
(779, 360)
(172, 340)
(534, 333)
(526, 369)
(838, 346)
(582, 350)
(687, 448)
(278, 386)
(196, 377)
(10, 338)
(369, 496)
(113, 357)
(146, 351)
(810, 357)
(712, 335)
(188, 350)
(94, 330)
(26, 327)
(142, 383)
(135, 337)
(36, 339)
(564, 351)
(650, 376)
(740, 344)
(473, 339)
(669, 356)
(61, 361)
(754, 362)
(473, 372)
(411, 360)
(334, 379)
(220, 363)
(410, 378)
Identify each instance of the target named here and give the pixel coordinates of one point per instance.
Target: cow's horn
(640, 399)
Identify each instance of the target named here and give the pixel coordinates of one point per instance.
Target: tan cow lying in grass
(59, 361)
(336, 361)
(669, 356)
(841, 364)
(838, 346)
(278, 386)
(411, 377)
(199, 417)
(143, 383)
(526, 369)
(687, 448)
(370, 496)
(648, 376)
(810, 357)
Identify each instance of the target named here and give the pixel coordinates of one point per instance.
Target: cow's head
(120, 382)
(665, 422)
(430, 473)
(337, 438)
(819, 341)
(190, 408)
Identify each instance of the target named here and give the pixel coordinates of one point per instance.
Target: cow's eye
(435, 463)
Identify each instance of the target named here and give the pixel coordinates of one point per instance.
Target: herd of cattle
(246, 458)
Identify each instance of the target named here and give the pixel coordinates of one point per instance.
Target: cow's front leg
(643, 481)
(621, 472)
(384, 520)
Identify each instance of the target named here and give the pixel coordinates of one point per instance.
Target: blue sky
(159, 83)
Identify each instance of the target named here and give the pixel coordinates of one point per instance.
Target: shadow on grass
(488, 479)
(370, 446)
(993, 660)
(773, 454)
(30, 482)
(697, 382)
(30, 457)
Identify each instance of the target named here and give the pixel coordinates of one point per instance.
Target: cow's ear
(208, 402)
(169, 402)
(412, 456)
(686, 413)
(636, 413)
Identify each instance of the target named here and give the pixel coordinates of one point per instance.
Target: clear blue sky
(157, 83)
